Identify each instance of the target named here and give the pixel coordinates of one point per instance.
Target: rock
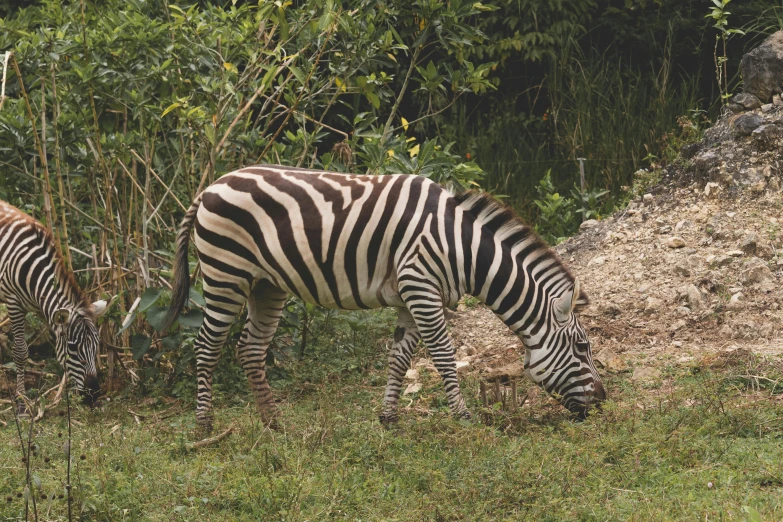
(664, 229)
(758, 187)
(598, 260)
(725, 331)
(682, 270)
(768, 137)
(679, 325)
(711, 190)
(610, 361)
(766, 330)
(722, 261)
(735, 253)
(645, 374)
(680, 225)
(648, 200)
(652, 305)
(745, 124)
(762, 68)
(767, 108)
(470, 350)
(749, 243)
(694, 297)
(736, 108)
(611, 309)
(735, 303)
(747, 100)
(412, 374)
(777, 100)
(773, 184)
(756, 271)
(675, 242)
(413, 387)
(505, 373)
(590, 223)
(463, 366)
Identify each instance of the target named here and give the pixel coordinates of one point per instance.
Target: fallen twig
(210, 440)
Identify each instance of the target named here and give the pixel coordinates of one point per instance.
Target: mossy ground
(700, 444)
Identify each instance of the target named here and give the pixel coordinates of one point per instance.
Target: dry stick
(5, 70)
(168, 187)
(37, 140)
(48, 199)
(396, 106)
(58, 170)
(253, 98)
(301, 95)
(483, 388)
(210, 440)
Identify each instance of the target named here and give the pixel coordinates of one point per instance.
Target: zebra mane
(65, 277)
(502, 221)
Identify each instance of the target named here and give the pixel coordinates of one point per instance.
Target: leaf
(753, 515)
(404, 124)
(156, 316)
(149, 298)
(414, 150)
(170, 108)
(230, 67)
(171, 342)
(140, 344)
(196, 298)
(192, 318)
(390, 153)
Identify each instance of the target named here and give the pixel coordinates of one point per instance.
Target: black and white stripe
(34, 279)
(354, 242)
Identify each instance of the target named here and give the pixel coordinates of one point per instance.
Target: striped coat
(33, 278)
(355, 242)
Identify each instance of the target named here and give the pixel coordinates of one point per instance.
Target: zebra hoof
(204, 424)
(21, 409)
(270, 418)
(464, 415)
(388, 418)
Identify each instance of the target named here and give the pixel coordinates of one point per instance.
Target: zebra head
(559, 358)
(76, 345)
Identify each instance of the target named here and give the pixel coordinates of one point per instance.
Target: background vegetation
(119, 112)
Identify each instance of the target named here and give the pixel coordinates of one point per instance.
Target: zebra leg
(223, 305)
(264, 308)
(20, 353)
(425, 306)
(406, 338)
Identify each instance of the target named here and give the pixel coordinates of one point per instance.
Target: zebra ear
(99, 307)
(566, 303)
(61, 317)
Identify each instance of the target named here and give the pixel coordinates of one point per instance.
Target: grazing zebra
(353, 242)
(33, 278)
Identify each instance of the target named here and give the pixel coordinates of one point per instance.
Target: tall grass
(598, 105)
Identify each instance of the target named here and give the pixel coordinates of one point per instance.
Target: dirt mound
(689, 270)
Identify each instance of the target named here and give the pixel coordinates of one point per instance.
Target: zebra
(371, 241)
(34, 279)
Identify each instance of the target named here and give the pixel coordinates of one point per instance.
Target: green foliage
(557, 217)
(720, 18)
(332, 460)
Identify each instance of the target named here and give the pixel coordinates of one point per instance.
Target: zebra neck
(57, 293)
(519, 284)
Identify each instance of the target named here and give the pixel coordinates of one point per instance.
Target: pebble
(711, 189)
(413, 387)
(599, 260)
(652, 304)
(590, 223)
(679, 226)
(749, 243)
(412, 374)
(675, 242)
(735, 253)
(648, 200)
(695, 299)
(735, 303)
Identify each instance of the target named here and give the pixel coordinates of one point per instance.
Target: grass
(699, 445)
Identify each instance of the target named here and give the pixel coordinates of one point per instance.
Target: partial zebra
(33, 278)
(352, 242)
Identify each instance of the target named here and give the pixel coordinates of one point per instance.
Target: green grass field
(700, 445)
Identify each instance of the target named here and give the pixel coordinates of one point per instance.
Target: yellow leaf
(390, 153)
(230, 67)
(390, 55)
(414, 150)
(421, 24)
(412, 138)
(404, 124)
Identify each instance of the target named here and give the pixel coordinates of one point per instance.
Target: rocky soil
(688, 272)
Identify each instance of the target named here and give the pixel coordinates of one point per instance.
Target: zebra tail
(181, 287)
